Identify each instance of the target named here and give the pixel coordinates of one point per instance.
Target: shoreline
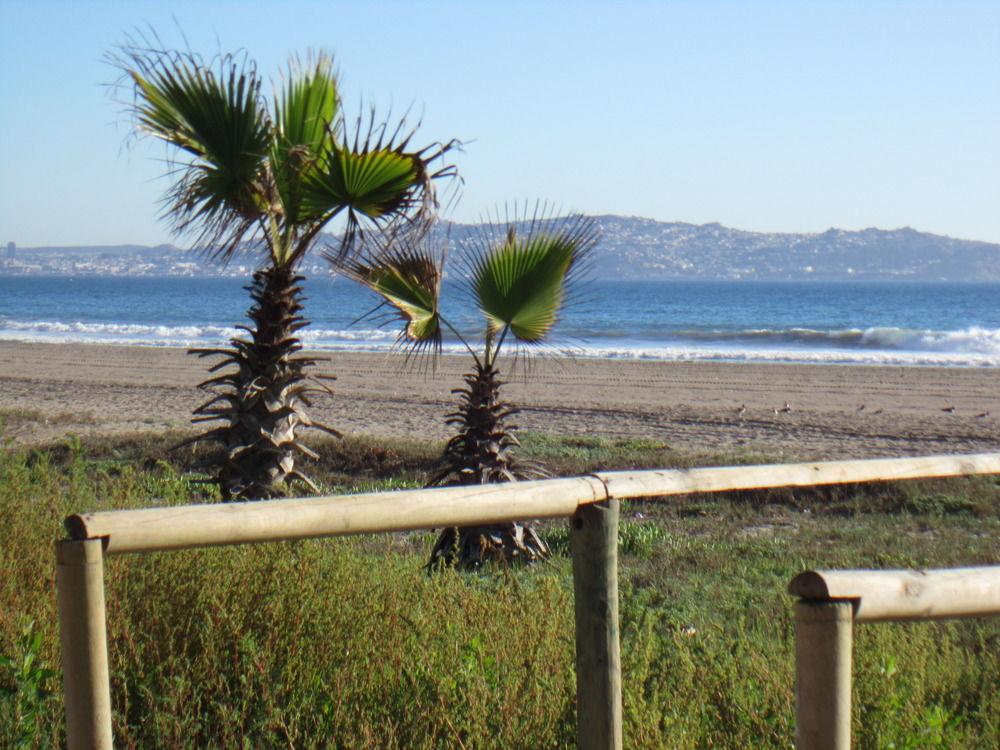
(689, 405)
(784, 357)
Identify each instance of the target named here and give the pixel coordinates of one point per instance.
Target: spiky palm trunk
(260, 399)
(481, 453)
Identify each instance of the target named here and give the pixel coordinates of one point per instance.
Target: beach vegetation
(266, 176)
(518, 274)
(345, 643)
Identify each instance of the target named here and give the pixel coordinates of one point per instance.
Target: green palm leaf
(215, 115)
(367, 184)
(306, 113)
(408, 278)
(521, 284)
(375, 181)
(306, 110)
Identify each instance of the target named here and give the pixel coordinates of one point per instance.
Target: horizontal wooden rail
(634, 484)
(182, 526)
(881, 595)
(179, 527)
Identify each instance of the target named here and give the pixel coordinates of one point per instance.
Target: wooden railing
(590, 502)
(831, 601)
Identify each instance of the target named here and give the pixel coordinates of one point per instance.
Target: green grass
(346, 643)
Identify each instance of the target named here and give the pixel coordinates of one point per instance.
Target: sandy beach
(86, 389)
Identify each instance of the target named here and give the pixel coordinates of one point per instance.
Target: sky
(766, 116)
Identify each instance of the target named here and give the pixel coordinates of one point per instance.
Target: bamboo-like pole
(83, 636)
(654, 483)
(180, 527)
(594, 542)
(823, 641)
(880, 595)
(185, 526)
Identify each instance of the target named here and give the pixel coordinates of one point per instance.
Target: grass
(347, 643)
(12, 418)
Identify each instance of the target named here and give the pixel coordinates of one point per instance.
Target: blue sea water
(954, 325)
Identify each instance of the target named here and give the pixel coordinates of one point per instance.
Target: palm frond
(305, 113)
(212, 113)
(376, 182)
(406, 273)
(520, 272)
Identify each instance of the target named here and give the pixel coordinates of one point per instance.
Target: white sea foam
(974, 339)
(167, 336)
(813, 356)
(971, 347)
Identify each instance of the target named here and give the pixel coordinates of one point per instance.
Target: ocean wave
(168, 336)
(109, 331)
(797, 356)
(969, 347)
(973, 340)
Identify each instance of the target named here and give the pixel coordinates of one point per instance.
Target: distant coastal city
(630, 248)
(164, 260)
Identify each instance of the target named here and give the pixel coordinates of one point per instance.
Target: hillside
(635, 248)
(630, 248)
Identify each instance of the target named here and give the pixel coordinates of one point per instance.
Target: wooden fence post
(823, 643)
(84, 640)
(594, 542)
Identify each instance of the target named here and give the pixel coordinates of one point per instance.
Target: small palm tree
(249, 175)
(518, 276)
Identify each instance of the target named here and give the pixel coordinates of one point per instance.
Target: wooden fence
(831, 601)
(590, 502)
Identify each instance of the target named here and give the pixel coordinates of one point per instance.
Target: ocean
(941, 324)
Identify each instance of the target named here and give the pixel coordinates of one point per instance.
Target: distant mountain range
(630, 248)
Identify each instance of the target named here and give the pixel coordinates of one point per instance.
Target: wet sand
(87, 389)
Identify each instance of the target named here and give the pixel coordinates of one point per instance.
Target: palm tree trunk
(482, 454)
(260, 399)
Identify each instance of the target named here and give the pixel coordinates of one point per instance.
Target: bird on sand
(949, 409)
(860, 408)
(785, 409)
(982, 415)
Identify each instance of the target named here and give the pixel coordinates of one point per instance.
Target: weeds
(25, 718)
(347, 643)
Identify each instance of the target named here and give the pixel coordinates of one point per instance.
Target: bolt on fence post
(594, 542)
(84, 641)
(823, 644)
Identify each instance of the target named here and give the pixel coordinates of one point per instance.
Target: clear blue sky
(781, 116)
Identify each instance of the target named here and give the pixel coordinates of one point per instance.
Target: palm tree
(518, 276)
(251, 175)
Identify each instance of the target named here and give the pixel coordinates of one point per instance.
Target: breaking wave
(974, 340)
(177, 336)
(970, 347)
(797, 356)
